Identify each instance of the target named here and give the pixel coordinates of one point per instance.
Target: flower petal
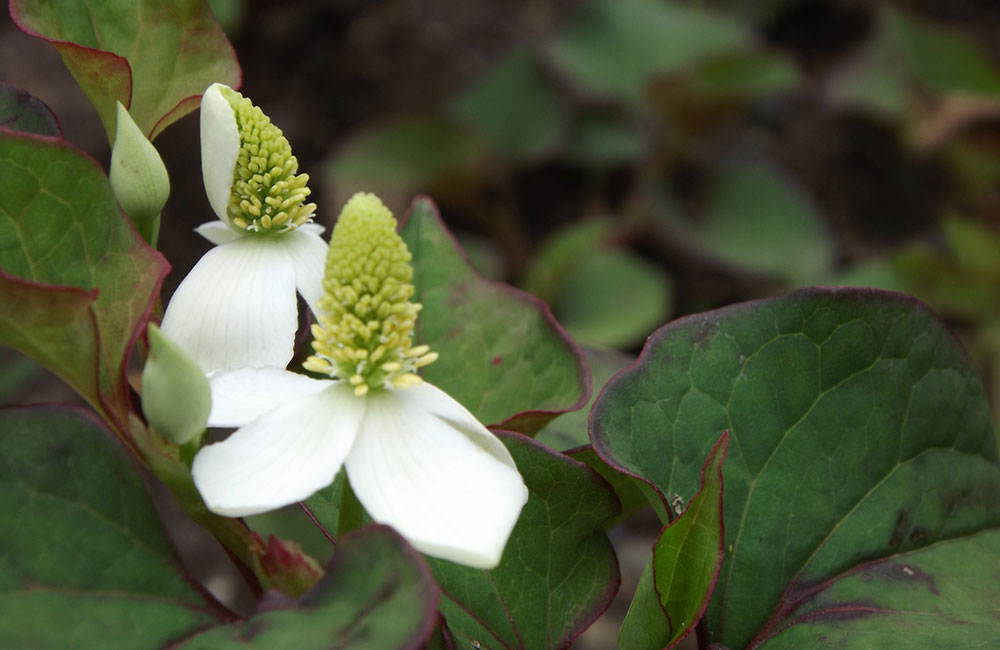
(425, 466)
(218, 233)
(220, 147)
(241, 396)
(281, 458)
(308, 252)
(236, 308)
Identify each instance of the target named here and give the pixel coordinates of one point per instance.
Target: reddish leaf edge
(213, 606)
(49, 112)
(720, 449)
(532, 420)
(849, 610)
(599, 441)
(612, 586)
(14, 8)
(430, 604)
(118, 419)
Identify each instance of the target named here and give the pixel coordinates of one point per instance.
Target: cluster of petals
(416, 459)
(238, 307)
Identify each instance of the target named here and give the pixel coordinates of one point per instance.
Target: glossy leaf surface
(859, 430)
(942, 596)
(503, 356)
(376, 595)
(154, 57)
(83, 558)
(558, 571)
(76, 281)
(674, 590)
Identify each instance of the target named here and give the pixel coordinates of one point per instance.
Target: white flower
(416, 459)
(237, 306)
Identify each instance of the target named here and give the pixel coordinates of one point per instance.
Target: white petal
(241, 396)
(218, 233)
(284, 457)
(425, 466)
(236, 308)
(220, 146)
(308, 252)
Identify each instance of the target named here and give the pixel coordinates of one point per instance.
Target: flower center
(365, 333)
(267, 195)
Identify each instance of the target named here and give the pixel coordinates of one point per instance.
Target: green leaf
(614, 299)
(944, 596)
(514, 107)
(18, 375)
(563, 252)
(943, 60)
(156, 57)
(84, 561)
(558, 571)
(905, 54)
(633, 493)
(859, 430)
(602, 293)
(376, 595)
(756, 219)
(76, 281)
(83, 558)
(616, 47)
(684, 567)
(569, 430)
(603, 139)
(876, 77)
(405, 154)
(20, 111)
(503, 356)
(745, 73)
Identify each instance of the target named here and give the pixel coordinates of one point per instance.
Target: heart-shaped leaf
(76, 281)
(943, 596)
(84, 562)
(83, 559)
(376, 595)
(154, 57)
(558, 571)
(616, 47)
(674, 589)
(859, 430)
(757, 219)
(20, 111)
(503, 356)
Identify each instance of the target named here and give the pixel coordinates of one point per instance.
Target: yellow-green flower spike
(365, 331)
(267, 195)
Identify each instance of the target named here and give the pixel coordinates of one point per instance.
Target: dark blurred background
(629, 161)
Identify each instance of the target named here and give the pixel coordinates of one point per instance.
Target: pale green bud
(176, 398)
(138, 176)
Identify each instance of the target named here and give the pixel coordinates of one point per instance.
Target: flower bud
(176, 398)
(138, 176)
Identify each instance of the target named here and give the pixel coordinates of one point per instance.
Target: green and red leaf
(860, 430)
(503, 355)
(77, 283)
(154, 57)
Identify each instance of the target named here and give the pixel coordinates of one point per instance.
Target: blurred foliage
(704, 153)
